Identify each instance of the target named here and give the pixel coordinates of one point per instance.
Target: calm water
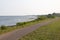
(12, 20)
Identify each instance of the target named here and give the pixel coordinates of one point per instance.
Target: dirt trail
(16, 34)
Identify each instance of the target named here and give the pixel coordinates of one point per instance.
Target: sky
(29, 7)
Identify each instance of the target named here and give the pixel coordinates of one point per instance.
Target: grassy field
(8, 29)
(47, 32)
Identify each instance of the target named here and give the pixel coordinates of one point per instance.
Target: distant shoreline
(12, 20)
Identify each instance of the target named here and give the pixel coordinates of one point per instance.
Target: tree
(54, 14)
(51, 15)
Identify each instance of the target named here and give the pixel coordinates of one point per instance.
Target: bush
(3, 27)
(53, 16)
(20, 24)
(41, 18)
(50, 16)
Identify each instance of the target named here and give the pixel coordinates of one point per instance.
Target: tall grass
(47, 32)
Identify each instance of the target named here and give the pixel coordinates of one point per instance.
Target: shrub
(3, 27)
(41, 18)
(50, 16)
(20, 24)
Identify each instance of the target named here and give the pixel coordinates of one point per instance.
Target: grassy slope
(19, 27)
(48, 32)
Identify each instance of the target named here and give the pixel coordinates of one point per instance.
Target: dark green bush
(41, 18)
(20, 24)
(50, 16)
(3, 27)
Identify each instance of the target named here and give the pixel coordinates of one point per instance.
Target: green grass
(8, 29)
(47, 32)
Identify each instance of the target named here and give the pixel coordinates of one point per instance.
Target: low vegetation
(47, 32)
(41, 17)
(3, 27)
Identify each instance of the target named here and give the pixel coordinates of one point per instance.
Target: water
(12, 20)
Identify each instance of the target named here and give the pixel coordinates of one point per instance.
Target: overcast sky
(28, 7)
